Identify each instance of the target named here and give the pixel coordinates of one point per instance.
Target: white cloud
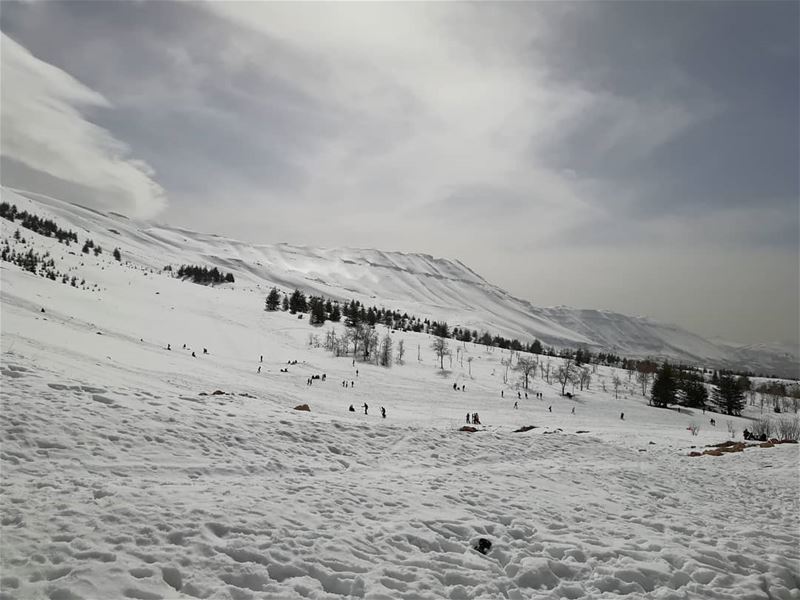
(43, 128)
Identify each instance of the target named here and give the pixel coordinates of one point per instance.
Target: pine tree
(285, 303)
(273, 300)
(695, 393)
(117, 255)
(335, 314)
(664, 388)
(728, 395)
(317, 311)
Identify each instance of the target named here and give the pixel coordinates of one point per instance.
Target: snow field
(121, 480)
(123, 476)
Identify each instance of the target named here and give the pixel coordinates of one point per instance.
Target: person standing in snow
(467, 418)
(550, 408)
(573, 410)
(262, 358)
(383, 412)
(169, 347)
(622, 416)
(501, 393)
(516, 405)
(366, 408)
(351, 409)
(259, 368)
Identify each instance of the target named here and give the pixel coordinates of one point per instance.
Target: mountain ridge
(438, 288)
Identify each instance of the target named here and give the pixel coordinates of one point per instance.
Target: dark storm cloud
(732, 67)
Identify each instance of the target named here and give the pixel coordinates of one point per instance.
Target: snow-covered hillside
(419, 284)
(135, 465)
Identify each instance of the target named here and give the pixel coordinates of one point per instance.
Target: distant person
(519, 396)
(516, 405)
(352, 383)
(383, 412)
(476, 419)
(550, 408)
(526, 395)
(169, 347)
(205, 350)
(351, 409)
(622, 416)
(356, 372)
(463, 388)
(259, 368)
(366, 408)
(184, 346)
(262, 358)
(455, 387)
(194, 355)
(501, 393)
(468, 418)
(573, 410)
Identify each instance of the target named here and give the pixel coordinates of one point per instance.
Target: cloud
(46, 136)
(540, 143)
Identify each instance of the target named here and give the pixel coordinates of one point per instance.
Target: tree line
(45, 227)
(202, 275)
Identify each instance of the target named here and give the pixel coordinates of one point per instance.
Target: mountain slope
(430, 287)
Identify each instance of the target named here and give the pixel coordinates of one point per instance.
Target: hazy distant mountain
(419, 284)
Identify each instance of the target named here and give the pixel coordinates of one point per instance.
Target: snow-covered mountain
(420, 284)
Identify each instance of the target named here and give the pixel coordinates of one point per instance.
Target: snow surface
(123, 476)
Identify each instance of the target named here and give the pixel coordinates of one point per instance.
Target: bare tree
(369, 340)
(546, 371)
(584, 378)
(506, 362)
(644, 374)
(469, 365)
(401, 350)
(566, 373)
(441, 349)
(385, 352)
(616, 381)
(527, 367)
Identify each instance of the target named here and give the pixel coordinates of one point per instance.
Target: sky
(640, 157)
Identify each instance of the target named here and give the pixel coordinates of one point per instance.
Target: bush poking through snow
(694, 428)
(788, 428)
(763, 427)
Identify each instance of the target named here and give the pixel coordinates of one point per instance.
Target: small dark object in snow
(303, 407)
(483, 546)
(468, 428)
(217, 393)
(99, 333)
(42, 310)
(582, 431)
(651, 443)
(525, 428)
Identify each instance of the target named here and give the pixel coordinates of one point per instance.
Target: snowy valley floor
(120, 480)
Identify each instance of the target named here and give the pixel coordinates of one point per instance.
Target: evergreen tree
(335, 314)
(728, 395)
(695, 394)
(297, 302)
(317, 311)
(273, 299)
(285, 303)
(117, 255)
(664, 388)
(536, 347)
